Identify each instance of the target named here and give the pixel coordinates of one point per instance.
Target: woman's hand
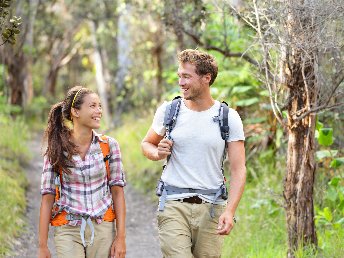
(43, 252)
(118, 248)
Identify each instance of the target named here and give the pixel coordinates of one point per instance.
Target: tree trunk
(157, 54)
(299, 181)
(19, 78)
(124, 61)
(50, 82)
(101, 83)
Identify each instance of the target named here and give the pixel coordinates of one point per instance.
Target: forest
(281, 66)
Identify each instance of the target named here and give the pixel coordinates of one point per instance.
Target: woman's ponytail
(60, 148)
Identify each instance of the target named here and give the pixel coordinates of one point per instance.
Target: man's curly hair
(203, 62)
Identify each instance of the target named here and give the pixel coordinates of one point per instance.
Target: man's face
(191, 84)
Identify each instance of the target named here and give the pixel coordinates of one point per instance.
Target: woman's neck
(82, 136)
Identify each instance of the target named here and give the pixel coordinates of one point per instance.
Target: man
(192, 217)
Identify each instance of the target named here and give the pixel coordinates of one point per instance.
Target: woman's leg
(68, 242)
(104, 234)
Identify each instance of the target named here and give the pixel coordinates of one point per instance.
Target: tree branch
(225, 53)
(320, 108)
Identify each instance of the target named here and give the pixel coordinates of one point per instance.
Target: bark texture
(299, 181)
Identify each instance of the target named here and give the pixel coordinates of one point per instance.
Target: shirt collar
(96, 137)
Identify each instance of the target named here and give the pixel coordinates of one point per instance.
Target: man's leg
(206, 243)
(174, 230)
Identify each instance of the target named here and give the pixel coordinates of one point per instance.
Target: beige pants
(69, 245)
(186, 230)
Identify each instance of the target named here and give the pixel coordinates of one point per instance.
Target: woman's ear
(74, 112)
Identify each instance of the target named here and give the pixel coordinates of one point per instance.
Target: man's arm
(236, 157)
(155, 147)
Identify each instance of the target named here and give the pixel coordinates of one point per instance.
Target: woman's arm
(118, 248)
(44, 219)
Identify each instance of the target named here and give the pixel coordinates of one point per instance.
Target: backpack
(170, 119)
(61, 217)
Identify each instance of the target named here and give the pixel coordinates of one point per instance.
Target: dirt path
(142, 240)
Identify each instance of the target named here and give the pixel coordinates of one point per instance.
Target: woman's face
(89, 113)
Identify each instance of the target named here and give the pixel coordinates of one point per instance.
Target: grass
(13, 153)
(12, 203)
(261, 227)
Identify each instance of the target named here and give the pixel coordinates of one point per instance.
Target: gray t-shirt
(197, 148)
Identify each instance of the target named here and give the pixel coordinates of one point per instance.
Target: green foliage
(140, 172)
(36, 113)
(325, 136)
(329, 213)
(332, 216)
(337, 162)
(9, 30)
(15, 132)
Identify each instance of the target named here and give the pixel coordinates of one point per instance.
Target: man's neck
(199, 104)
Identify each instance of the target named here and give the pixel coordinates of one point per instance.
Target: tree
(302, 66)
(18, 64)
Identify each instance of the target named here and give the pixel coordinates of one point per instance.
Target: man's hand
(118, 248)
(164, 148)
(226, 223)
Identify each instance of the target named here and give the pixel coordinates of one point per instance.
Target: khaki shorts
(186, 230)
(69, 245)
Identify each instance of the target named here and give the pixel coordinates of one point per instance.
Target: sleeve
(48, 178)
(117, 176)
(158, 120)
(236, 130)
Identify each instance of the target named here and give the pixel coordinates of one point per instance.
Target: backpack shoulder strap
(171, 114)
(105, 147)
(223, 120)
(58, 183)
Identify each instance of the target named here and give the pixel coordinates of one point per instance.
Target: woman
(82, 182)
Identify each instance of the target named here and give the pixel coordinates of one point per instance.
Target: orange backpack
(61, 216)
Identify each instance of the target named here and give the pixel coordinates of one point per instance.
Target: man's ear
(74, 112)
(207, 77)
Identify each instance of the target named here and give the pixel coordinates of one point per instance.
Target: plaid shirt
(85, 191)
